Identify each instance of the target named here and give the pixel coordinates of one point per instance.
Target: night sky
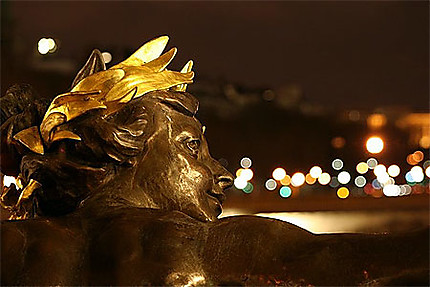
(347, 54)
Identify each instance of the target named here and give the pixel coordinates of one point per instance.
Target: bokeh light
(248, 188)
(380, 169)
(315, 171)
(107, 57)
(428, 171)
(279, 173)
(417, 174)
(246, 162)
(342, 192)
(337, 164)
(374, 144)
(411, 160)
(310, 179)
(362, 167)
(418, 156)
(286, 180)
(247, 174)
(46, 45)
(285, 191)
(409, 178)
(270, 184)
(393, 170)
(372, 162)
(344, 177)
(297, 179)
(338, 142)
(240, 183)
(376, 121)
(360, 181)
(324, 178)
(376, 184)
(334, 182)
(391, 190)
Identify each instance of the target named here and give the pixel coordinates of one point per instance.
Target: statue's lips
(218, 197)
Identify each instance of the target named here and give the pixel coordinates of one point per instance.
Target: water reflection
(350, 221)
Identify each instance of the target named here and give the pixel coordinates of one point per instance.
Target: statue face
(177, 172)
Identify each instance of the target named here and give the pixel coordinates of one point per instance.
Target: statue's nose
(225, 179)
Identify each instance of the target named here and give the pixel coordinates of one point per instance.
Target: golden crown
(108, 90)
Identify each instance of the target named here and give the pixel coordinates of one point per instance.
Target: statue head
(126, 136)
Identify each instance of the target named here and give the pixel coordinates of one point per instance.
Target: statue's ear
(94, 64)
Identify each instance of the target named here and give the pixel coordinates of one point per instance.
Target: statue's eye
(193, 145)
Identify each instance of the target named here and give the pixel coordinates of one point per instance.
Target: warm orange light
(343, 192)
(338, 142)
(374, 144)
(376, 121)
(410, 160)
(310, 179)
(286, 180)
(418, 156)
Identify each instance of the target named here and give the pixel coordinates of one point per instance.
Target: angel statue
(116, 186)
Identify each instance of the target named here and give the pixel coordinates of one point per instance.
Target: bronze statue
(119, 188)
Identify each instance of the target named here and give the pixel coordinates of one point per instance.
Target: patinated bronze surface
(119, 188)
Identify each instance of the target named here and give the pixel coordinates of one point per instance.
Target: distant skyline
(347, 54)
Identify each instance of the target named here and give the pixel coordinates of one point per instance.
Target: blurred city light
(240, 183)
(279, 173)
(286, 180)
(418, 156)
(285, 191)
(310, 179)
(362, 167)
(393, 170)
(46, 45)
(344, 177)
(246, 162)
(324, 178)
(337, 164)
(248, 188)
(391, 190)
(247, 174)
(428, 171)
(338, 142)
(372, 162)
(360, 181)
(380, 169)
(342, 192)
(334, 182)
(409, 178)
(270, 184)
(107, 57)
(297, 179)
(417, 173)
(374, 144)
(376, 184)
(315, 171)
(376, 121)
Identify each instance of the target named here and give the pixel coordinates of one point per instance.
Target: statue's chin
(207, 212)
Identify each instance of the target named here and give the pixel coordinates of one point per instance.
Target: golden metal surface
(31, 139)
(28, 190)
(143, 72)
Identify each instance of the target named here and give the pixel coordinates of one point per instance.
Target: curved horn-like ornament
(186, 69)
(94, 64)
(148, 52)
(159, 64)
